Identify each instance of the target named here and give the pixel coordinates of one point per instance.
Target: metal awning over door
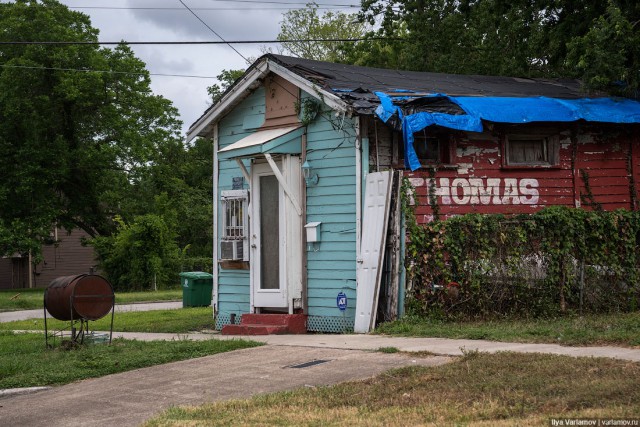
(287, 140)
(270, 141)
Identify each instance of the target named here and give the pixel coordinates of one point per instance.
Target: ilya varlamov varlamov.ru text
(594, 422)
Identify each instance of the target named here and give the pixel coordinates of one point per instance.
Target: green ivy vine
(557, 261)
(307, 109)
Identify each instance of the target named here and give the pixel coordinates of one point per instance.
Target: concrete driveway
(129, 398)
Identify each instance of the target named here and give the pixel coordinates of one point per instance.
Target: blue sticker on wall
(341, 301)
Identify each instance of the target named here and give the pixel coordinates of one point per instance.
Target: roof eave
(203, 126)
(237, 92)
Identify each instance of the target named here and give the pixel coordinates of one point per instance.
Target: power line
(211, 42)
(213, 31)
(346, 6)
(83, 70)
(304, 3)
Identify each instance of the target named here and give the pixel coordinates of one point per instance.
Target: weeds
(608, 329)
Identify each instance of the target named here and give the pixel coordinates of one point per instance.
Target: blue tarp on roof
(507, 110)
(541, 109)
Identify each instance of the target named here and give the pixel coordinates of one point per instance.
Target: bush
(141, 255)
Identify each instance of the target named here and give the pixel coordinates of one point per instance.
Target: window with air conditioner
(235, 225)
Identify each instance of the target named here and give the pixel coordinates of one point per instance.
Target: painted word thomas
(485, 191)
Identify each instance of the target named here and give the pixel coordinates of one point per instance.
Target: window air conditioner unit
(232, 250)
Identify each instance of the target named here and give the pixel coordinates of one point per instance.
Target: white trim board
(369, 265)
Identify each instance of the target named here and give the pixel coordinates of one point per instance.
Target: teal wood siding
(233, 285)
(332, 269)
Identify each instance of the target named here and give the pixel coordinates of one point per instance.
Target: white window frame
(239, 230)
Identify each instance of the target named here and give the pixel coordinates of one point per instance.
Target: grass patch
(25, 362)
(479, 389)
(29, 299)
(602, 329)
(149, 296)
(388, 350)
(21, 299)
(181, 320)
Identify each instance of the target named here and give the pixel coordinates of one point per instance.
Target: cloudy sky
(169, 20)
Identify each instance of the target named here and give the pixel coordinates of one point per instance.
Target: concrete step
(272, 319)
(254, 330)
(268, 324)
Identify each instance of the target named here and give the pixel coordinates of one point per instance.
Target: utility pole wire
(85, 70)
(282, 2)
(337, 7)
(211, 42)
(214, 32)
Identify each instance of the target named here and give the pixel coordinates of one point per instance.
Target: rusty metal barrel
(85, 296)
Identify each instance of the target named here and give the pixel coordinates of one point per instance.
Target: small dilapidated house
(307, 159)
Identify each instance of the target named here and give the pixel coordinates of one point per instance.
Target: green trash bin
(197, 287)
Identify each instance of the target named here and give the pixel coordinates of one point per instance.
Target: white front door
(267, 239)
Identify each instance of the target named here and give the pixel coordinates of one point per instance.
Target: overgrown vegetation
(165, 225)
(176, 321)
(478, 389)
(37, 366)
(557, 261)
(139, 255)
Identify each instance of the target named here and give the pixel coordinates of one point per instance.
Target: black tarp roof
(356, 85)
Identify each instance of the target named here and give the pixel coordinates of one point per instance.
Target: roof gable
(251, 79)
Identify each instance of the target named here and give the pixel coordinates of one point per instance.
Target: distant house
(64, 258)
(304, 198)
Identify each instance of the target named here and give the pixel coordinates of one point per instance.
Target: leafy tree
(78, 125)
(608, 54)
(548, 38)
(139, 256)
(226, 79)
(177, 186)
(166, 222)
(308, 24)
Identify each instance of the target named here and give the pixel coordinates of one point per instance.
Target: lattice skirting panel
(225, 319)
(336, 325)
